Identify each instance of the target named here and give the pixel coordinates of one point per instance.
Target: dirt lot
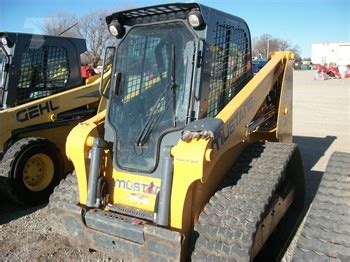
(321, 126)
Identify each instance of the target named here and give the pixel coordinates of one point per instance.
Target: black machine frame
(26, 51)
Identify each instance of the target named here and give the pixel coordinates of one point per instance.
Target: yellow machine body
(183, 106)
(45, 110)
(198, 166)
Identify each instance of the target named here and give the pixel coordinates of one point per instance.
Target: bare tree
(60, 22)
(266, 43)
(92, 27)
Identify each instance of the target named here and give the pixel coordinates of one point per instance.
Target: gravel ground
(321, 126)
(26, 235)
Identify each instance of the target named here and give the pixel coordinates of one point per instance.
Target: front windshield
(144, 59)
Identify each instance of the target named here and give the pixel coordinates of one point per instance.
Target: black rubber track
(326, 234)
(10, 159)
(66, 193)
(227, 226)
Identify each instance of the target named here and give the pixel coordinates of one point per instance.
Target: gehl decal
(35, 111)
(226, 130)
(137, 187)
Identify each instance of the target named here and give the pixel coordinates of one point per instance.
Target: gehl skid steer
(192, 157)
(43, 96)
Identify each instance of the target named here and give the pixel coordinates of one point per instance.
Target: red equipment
(333, 72)
(347, 72)
(87, 71)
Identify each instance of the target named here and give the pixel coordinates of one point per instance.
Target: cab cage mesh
(229, 66)
(142, 48)
(152, 14)
(154, 11)
(43, 72)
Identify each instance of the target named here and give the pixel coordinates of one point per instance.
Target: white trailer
(337, 53)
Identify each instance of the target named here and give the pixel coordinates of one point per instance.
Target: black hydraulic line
(165, 190)
(94, 171)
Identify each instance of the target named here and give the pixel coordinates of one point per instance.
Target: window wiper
(154, 116)
(173, 82)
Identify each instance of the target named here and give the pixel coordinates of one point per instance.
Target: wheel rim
(38, 172)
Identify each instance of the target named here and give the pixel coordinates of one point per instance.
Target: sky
(302, 22)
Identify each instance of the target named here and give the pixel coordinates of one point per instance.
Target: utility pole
(268, 48)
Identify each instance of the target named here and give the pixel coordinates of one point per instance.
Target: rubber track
(6, 186)
(227, 226)
(326, 234)
(66, 193)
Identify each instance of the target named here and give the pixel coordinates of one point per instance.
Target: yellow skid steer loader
(192, 157)
(42, 97)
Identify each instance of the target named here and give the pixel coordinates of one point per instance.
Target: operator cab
(153, 94)
(36, 66)
(173, 64)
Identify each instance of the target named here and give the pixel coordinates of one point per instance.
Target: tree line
(92, 27)
(266, 43)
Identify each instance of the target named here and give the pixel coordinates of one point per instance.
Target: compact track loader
(192, 157)
(42, 96)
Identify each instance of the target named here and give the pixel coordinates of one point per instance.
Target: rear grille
(133, 212)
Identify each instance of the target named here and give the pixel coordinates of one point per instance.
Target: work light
(195, 18)
(4, 40)
(116, 29)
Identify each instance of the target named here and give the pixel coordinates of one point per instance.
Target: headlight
(4, 40)
(113, 30)
(195, 19)
(116, 29)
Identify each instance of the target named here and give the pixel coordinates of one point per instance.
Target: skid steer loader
(42, 96)
(192, 157)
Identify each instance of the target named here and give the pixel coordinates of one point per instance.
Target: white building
(338, 53)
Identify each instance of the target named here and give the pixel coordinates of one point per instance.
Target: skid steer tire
(65, 194)
(227, 226)
(326, 233)
(30, 169)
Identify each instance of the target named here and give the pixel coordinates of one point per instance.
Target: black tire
(326, 233)
(227, 226)
(12, 170)
(65, 194)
